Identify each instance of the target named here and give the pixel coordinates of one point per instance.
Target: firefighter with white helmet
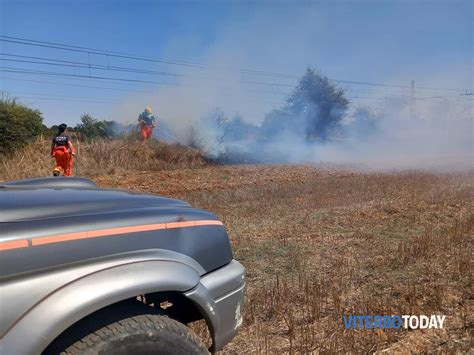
(146, 122)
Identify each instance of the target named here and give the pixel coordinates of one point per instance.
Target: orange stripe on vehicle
(58, 238)
(121, 230)
(208, 223)
(14, 244)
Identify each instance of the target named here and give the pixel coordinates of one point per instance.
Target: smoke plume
(236, 114)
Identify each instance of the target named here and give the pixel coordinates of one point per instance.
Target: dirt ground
(319, 243)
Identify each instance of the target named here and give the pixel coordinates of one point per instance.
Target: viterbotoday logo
(393, 322)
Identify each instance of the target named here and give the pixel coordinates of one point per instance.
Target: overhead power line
(73, 64)
(370, 84)
(74, 48)
(51, 96)
(48, 73)
(63, 99)
(37, 96)
(265, 83)
(70, 84)
(259, 92)
(81, 76)
(354, 94)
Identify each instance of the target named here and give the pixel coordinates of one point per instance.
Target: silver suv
(97, 271)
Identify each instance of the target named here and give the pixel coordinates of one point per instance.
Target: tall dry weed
(100, 157)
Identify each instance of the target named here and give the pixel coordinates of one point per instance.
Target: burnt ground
(319, 243)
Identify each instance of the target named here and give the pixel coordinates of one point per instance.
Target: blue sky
(372, 41)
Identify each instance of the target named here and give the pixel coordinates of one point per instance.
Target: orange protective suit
(64, 160)
(146, 131)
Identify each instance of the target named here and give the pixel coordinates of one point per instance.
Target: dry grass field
(100, 157)
(317, 243)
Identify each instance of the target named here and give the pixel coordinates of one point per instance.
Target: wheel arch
(74, 301)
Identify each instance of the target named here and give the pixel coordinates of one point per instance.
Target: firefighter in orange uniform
(63, 151)
(146, 121)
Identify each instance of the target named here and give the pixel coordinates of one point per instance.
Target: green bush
(19, 125)
(91, 128)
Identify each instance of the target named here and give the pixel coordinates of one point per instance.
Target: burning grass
(318, 244)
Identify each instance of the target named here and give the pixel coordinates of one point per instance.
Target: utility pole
(412, 100)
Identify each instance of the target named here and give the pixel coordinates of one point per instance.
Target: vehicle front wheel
(139, 335)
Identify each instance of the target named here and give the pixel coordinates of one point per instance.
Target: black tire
(142, 334)
(127, 328)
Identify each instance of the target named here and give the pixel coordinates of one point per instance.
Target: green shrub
(18, 125)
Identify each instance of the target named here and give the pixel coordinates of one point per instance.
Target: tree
(90, 128)
(211, 132)
(236, 129)
(315, 109)
(18, 125)
(218, 121)
(364, 123)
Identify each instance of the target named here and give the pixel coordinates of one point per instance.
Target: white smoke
(437, 134)
(434, 132)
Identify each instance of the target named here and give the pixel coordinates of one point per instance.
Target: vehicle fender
(37, 328)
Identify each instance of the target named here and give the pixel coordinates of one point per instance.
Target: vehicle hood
(30, 202)
(55, 222)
